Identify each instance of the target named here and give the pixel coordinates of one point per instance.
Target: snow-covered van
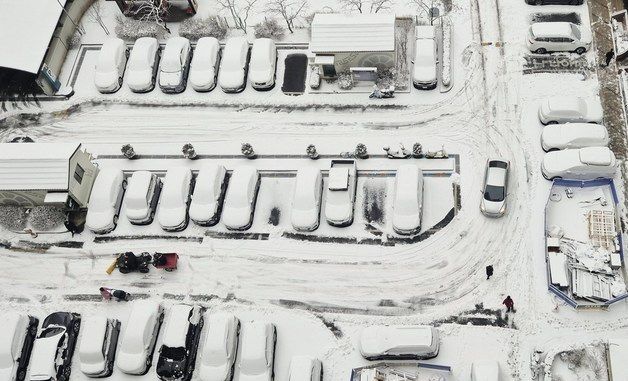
(424, 74)
(141, 197)
(341, 188)
(241, 198)
(174, 66)
(233, 66)
(263, 64)
(544, 37)
(175, 199)
(135, 355)
(204, 66)
(97, 348)
(16, 342)
(110, 65)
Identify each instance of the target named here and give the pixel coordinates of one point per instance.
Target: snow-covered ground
(300, 286)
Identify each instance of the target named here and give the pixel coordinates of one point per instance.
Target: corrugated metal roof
(35, 166)
(26, 27)
(334, 33)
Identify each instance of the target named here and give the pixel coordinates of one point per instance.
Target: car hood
(172, 217)
(231, 79)
(202, 78)
(202, 212)
(554, 162)
(236, 217)
(492, 207)
(93, 368)
(139, 79)
(260, 76)
(595, 113)
(406, 222)
(131, 362)
(170, 79)
(106, 80)
(137, 214)
(304, 219)
(255, 377)
(338, 213)
(214, 373)
(99, 220)
(425, 73)
(552, 137)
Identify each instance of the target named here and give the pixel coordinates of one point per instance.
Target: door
(329, 71)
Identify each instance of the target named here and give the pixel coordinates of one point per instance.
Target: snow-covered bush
(269, 28)
(13, 217)
(46, 218)
(130, 29)
(75, 41)
(446, 54)
(196, 27)
(345, 81)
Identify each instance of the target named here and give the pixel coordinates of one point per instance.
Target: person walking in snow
(509, 303)
(609, 57)
(110, 293)
(105, 293)
(489, 272)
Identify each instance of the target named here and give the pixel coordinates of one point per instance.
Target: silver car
(495, 189)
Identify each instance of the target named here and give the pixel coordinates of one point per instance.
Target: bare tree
(289, 10)
(95, 15)
(426, 6)
(153, 11)
(352, 4)
(239, 11)
(380, 5)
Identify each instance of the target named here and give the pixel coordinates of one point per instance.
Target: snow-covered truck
(341, 188)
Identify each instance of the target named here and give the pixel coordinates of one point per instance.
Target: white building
(33, 174)
(341, 43)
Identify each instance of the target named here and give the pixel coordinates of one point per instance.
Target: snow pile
(13, 217)
(195, 28)
(595, 260)
(447, 54)
(130, 29)
(46, 218)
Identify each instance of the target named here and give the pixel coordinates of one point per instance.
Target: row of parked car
(575, 139)
(179, 64)
(213, 194)
(192, 338)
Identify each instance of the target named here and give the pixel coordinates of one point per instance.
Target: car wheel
(32, 331)
(540, 51)
(127, 53)
(76, 327)
(553, 149)
(21, 375)
(115, 220)
(120, 81)
(538, 2)
(580, 50)
(552, 122)
(124, 184)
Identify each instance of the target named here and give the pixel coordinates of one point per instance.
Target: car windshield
(494, 193)
(176, 354)
(172, 65)
(575, 31)
(216, 357)
(52, 331)
(254, 365)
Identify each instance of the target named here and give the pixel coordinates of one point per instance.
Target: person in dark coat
(111, 293)
(489, 272)
(509, 303)
(609, 57)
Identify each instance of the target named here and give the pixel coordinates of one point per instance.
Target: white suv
(544, 37)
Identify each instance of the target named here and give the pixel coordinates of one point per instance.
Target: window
(78, 173)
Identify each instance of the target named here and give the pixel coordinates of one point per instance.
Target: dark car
(51, 359)
(177, 354)
(555, 2)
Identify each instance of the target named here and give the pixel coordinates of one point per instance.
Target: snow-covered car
(425, 62)
(135, 354)
(579, 164)
(174, 66)
(263, 64)
(554, 36)
(219, 347)
(105, 201)
(340, 196)
(97, 349)
(566, 109)
(495, 191)
(141, 198)
(241, 197)
(16, 343)
(177, 355)
(257, 351)
(414, 342)
(209, 192)
(305, 368)
(204, 66)
(51, 359)
(408, 201)
(143, 65)
(233, 65)
(573, 135)
(306, 199)
(555, 2)
(110, 65)
(175, 199)
(487, 370)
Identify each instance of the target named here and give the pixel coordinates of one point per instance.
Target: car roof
(301, 368)
(565, 103)
(338, 178)
(233, 48)
(177, 176)
(552, 29)
(139, 182)
(93, 332)
(177, 326)
(206, 178)
(215, 321)
(254, 342)
(404, 336)
(262, 47)
(141, 311)
(580, 130)
(241, 176)
(11, 322)
(497, 172)
(306, 181)
(111, 45)
(596, 156)
(208, 44)
(407, 180)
